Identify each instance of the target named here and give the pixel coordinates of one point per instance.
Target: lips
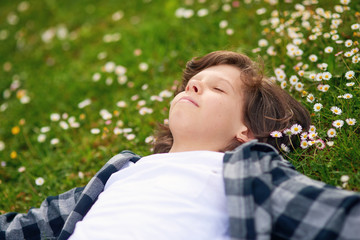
(186, 98)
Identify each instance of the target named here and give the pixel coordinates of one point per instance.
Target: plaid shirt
(266, 197)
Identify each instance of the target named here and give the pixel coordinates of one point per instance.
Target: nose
(194, 86)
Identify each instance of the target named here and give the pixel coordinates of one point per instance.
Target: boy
(216, 175)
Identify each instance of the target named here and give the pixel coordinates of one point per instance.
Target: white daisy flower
(39, 181)
(276, 134)
(313, 58)
(143, 67)
(338, 123)
(2, 145)
(319, 77)
(312, 135)
(326, 75)
(347, 96)
(331, 133)
(293, 79)
(336, 110)
(350, 121)
(310, 98)
(95, 131)
(41, 138)
(304, 136)
(54, 141)
(355, 26)
(285, 148)
(349, 74)
(348, 43)
(317, 107)
(312, 76)
(130, 137)
(304, 144)
(329, 49)
(55, 117)
(299, 86)
(312, 128)
(263, 43)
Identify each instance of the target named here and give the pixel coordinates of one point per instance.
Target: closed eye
(219, 89)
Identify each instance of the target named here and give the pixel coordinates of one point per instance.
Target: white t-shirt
(163, 196)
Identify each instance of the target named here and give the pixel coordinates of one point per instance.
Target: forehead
(228, 73)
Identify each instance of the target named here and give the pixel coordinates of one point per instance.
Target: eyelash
(218, 89)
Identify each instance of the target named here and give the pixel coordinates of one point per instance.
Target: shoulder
(250, 150)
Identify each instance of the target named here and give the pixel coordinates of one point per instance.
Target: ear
(244, 134)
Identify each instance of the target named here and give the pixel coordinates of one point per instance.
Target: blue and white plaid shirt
(266, 197)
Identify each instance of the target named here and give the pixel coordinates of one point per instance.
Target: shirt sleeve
(44, 222)
(268, 198)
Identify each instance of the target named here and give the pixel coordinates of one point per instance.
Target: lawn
(81, 81)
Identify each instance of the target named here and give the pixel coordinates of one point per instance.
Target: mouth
(188, 99)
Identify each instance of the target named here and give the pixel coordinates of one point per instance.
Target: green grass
(58, 75)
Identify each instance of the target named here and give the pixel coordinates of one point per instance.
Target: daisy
(312, 135)
(310, 98)
(312, 76)
(293, 80)
(130, 137)
(325, 88)
(348, 43)
(313, 58)
(350, 121)
(345, 2)
(344, 178)
(355, 26)
(263, 43)
(41, 138)
(143, 67)
(327, 35)
(347, 96)
(335, 37)
(350, 84)
(349, 74)
(296, 128)
(39, 181)
(336, 110)
(304, 136)
(299, 86)
(54, 141)
(276, 134)
(326, 75)
(95, 131)
(330, 143)
(285, 148)
(348, 54)
(304, 144)
(283, 84)
(55, 117)
(319, 77)
(317, 107)
(355, 59)
(338, 123)
(331, 133)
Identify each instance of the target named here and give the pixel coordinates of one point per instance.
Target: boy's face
(208, 114)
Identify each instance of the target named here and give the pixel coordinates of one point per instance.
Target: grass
(84, 37)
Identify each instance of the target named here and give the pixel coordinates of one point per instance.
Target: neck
(190, 147)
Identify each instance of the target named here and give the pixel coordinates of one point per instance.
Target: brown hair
(267, 106)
